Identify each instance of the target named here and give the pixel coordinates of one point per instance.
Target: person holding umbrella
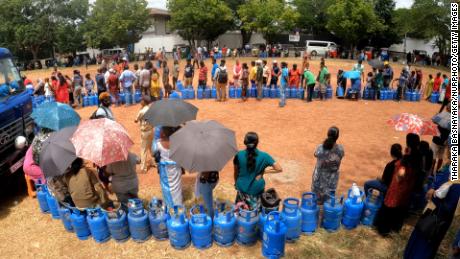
(249, 166)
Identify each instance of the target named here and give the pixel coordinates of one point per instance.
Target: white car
(319, 48)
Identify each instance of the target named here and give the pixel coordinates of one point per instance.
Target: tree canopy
(352, 20)
(312, 15)
(116, 22)
(200, 19)
(268, 17)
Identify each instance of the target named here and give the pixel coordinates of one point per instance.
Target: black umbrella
(170, 113)
(58, 153)
(376, 63)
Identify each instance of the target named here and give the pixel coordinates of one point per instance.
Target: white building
(159, 35)
(415, 44)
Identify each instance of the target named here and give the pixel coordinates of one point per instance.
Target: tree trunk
(245, 37)
(34, 50)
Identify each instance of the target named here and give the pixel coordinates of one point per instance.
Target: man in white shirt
(127, 79)
(359, 67)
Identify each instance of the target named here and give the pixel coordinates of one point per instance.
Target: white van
(319, 48)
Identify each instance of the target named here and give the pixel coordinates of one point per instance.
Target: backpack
(222, 76)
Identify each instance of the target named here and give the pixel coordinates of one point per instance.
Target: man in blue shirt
(284, 81)
(127, 79)
(213, 71)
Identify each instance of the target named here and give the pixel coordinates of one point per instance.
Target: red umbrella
(411, 123)
(101, 141)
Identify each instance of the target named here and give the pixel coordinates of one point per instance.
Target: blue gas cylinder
(329, 93)
(138, 221)
(178, 228)
(85, 101)
(383, 94)
(292, 218)
(407, 96)
(340, 92)
(353, 208)
(266, 92)
(272, 92)
(79, 224)
(179, 85)
(191, 93)
(274, 237)
(158, 217)
(412, 96)
(239, 91)
(174, 95)
(128, 99)
(434, 97)
(300, 93)
(53, 205)
(248, 227)
(213, 93)
(117, 222)
(200, 227)
(224, 224)
(64, 213)
(184, 93)
(253, 92)
(366, 93)
(287, 93)
(310, 213)
(98, 225)
(372, 204)
(199, 93)
(278, 93)
(418, 95)
(138, 96)
(121, 97)
(231, 92)
(293, 93)
(332, 213)
(263, 218)
(207, 93)
(42, 193)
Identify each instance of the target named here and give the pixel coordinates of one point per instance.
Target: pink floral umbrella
(101, 141)
(411, 123)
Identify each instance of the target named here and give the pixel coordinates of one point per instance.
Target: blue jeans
(205, 191)
(282, 95)
(375, 184)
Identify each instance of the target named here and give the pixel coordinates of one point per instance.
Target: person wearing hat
(77, 87)
(146, 132)
(104, 111)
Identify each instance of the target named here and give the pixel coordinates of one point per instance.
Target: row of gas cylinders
(90, 100)
(236, 92)
(245, 227)
(128, 99)
(389, 94)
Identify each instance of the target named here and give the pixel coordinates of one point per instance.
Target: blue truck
(15, 121)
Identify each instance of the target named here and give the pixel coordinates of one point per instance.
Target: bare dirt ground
(290, 135)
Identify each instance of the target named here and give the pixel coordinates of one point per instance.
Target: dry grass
(289, 134)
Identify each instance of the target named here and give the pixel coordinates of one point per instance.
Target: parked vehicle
(15, 122)
(384, 55)
(319, 48)
(110, 53)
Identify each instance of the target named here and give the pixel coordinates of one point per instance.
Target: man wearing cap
(387, 74)
(146, 133)
(104, 111)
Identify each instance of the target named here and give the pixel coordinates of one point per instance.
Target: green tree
(384, 9)
(313, 15)
(352, 20)
(199, 19)
(116, 23)
(268, 17)
(431, 19)
(237, 23)
(72, 14)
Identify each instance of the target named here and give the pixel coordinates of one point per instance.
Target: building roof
(158, 12)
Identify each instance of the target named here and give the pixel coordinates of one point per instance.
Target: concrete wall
(158, 41)
(233, 39)
(415, 44)
(159, 26)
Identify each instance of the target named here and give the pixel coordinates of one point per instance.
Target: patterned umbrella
(55, 116)
(411, 123)
(101, 141)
